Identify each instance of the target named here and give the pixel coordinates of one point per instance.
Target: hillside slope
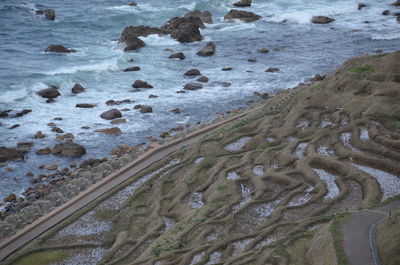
(259, 191)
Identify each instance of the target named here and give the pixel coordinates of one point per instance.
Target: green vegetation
(365, 69)
(43, 258)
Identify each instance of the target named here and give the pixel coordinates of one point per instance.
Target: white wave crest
(107, 65)
(156, 40)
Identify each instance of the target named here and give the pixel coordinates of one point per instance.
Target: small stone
(193, 86)
(178, 55)
(52, 167)
(39, 135)
(85, 105)
(132, 69)
(227, 69)
(43, 151)
(146, 109)
(57, 130)
(10, 198)
(153, 96)
(193, 72)
(118, 121)
(29, 174)
(361, 6)
(386, 13)
(263, 50)
(14, 126)
(207, 50)
(176, 111)
(49, 93)
(58, 119)
(203, 79)
(272, 70)
(322, 20)
(111, 114)
(141, 84)
(85, 127)
(252, 60)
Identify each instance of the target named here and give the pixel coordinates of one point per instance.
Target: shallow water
(91, 27)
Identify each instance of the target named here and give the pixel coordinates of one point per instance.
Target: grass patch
(43, 258)
(364, 69)
(338, 238)
(105, 215)
(319, 86)
(379, 55)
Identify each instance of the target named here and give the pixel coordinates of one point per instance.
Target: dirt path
(356, 230)
(44, 223)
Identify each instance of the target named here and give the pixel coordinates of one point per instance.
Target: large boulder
(58, 49)
(141, 84)
(133, 43)
(206, 16)
(243, 3)
(51, 92)
(207, 50)
(184, 29)
(69, 149)
(7, 154)
(242, 15)
(322, 20)
(111, 114)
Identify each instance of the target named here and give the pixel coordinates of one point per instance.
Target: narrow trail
(355, 232)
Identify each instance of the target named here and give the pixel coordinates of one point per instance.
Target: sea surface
(92, 28)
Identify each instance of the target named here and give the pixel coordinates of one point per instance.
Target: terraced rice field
(249, 192)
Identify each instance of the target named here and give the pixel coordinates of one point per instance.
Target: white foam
(236, 26)
(10, 96)
(107, 65)
(390, 184)
(329, 180)
(156, 40)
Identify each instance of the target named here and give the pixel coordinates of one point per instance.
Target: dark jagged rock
(77, 88)
(69, 149)
(243, 3)
(139, 31)
(58, 49)
(242, 15)
(178, 55)
(207, 50)
(49, 14)
(193, 86)
(206, 16)
(184, 29)
(133, 43)
(111, 114)
(193, 72)
(7, 154)
(132, 69)
(50, 92)
(322, 20)
(141, 84)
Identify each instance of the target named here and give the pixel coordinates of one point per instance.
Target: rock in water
(206, 16)
(7, 154)
(243, 3)
(192, 72)
(69, 149)
(58, 49)
(141, 84)
(178, 55)
(139, 31)
(85, 105)
(322, 20)
(114, 130)
(397, 3)
(184, 29)
(207, 50)
(193, 86)
(132, 69)
(50, 92)
(77, 89)
(146, 109)
(111, 114)
(242, 15)
(133, 43)
(49, 14)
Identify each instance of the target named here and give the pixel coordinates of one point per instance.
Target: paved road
(356, 234)
(41, 225)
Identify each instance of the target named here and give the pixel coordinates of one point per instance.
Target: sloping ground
(388, 239)
(255, 192)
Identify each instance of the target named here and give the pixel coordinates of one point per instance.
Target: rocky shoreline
(53, 189)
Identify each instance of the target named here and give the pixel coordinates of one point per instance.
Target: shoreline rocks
(8, 154)
(184, 29)
(69, 149)
(58, 49)
(242, 15)
(207, 50)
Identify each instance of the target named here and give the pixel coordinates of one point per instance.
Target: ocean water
(92, 27)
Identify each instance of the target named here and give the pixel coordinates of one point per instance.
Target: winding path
(356, 231)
